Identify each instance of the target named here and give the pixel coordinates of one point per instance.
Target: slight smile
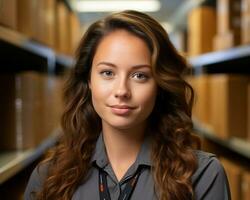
(121, 109)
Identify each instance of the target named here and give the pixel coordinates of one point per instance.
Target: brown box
(201, 30)
(246, 185)
(50, 22)
(62, 28)
(26, 17)
(229, 105)
(52, 104)
(234, 174)
(223, 41)
(229, 19)
(8, 13)
(202, 105)
(36, 19)
(45, 22)
(27, 112)
(245, 22)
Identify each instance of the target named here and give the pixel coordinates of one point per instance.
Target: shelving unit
(30, 55)
(11, 162)
(21, 53)
(233, 144)
(234, 60)
(15, 48)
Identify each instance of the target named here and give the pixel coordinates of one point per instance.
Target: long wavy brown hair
(173, 157)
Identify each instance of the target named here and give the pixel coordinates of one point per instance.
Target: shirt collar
(101, 159)
(100, 156)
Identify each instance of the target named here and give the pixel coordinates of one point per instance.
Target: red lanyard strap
(125, 194)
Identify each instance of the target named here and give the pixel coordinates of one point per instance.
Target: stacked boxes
(52, 104)
(26, 17)
(201, 30)
(45, 25)
(203, 106)
(49, 22)
(228, 24)
(29, 108)
(67, 29)
(222, 104)
(36, 19)
(229, 105)
(201, 88)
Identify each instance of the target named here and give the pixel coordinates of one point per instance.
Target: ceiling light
(113, 6)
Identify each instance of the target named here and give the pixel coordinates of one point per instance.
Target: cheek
(100, 93)
(147, 98)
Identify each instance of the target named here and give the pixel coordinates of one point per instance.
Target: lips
(121, 109)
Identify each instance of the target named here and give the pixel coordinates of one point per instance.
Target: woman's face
(121, 82)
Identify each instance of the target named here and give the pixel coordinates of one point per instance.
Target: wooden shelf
(238, 145)
(14, 161)
(234, 60)
(17, 41)
(25, 53)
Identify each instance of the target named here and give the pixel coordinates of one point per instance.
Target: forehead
(121, 45)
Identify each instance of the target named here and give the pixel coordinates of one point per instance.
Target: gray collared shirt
(209, 180)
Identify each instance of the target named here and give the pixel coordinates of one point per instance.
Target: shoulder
(206, 159)
(36, 180)
(208, 163)
(209, 180)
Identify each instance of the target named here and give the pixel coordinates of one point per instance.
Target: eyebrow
(134, 66)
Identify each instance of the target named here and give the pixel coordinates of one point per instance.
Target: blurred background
(38, 39)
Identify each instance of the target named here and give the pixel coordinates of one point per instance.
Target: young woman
(127, 122)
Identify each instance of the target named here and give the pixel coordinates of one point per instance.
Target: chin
(121, 125)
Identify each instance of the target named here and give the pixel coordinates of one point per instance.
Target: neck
(122, 147)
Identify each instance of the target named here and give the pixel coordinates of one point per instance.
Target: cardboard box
(62, 28)
(234, 174)
(36, 19)
(50, 22)
(8, 13)
(52, 104)
(229, 105)
(245, 22)
(45, 22)
(26, 17)
(246, 185)
(28, 110)
(202, 105)
(201, 30)
(223, 41)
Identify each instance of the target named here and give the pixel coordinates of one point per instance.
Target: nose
(122, 90)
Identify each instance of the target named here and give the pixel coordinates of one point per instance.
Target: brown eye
(140, 76)
(107, 73)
